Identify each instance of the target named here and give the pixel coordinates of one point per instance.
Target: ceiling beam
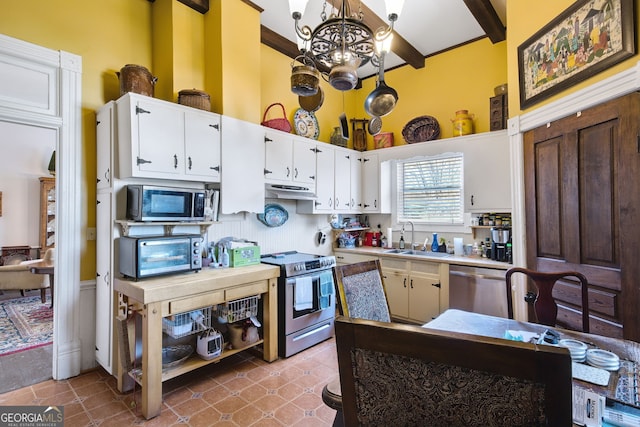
(400, 46)
(488, 19)
(283, 45)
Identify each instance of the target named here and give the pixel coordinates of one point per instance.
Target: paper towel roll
(389, 237)
(458, 249)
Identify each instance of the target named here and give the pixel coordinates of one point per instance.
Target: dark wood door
(582, 199)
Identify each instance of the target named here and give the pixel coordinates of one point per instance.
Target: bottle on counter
(401, 242)
(434, 243)
(224, 257)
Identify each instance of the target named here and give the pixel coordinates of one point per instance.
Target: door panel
(582, 200)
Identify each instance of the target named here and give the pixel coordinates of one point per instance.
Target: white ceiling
(429, 25)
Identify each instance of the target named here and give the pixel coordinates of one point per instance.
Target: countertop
(470, 261)
(188, 284)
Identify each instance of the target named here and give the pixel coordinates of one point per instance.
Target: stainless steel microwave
(148, 256)
(156, 203)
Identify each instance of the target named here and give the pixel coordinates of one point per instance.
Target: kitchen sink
(396, 251)
(418, 253)
(426, 253)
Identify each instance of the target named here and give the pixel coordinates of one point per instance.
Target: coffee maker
(501, 244)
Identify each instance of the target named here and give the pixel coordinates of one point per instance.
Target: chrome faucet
(412, 233)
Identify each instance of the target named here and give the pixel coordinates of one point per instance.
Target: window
(430, 189)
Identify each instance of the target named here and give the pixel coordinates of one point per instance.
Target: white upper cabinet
(105, 135)
(289, 159)
(304, 161)
(160, 139)
(242, 176)
(202, 145)
(487, 183)
(376, 184)
(355, 201)
(325, 165)
(342, 184)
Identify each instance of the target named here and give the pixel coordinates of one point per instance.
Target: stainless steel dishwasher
(478, 289)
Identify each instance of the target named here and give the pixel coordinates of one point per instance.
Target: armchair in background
(19, 276)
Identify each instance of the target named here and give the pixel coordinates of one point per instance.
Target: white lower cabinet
(104, 280)
(417, 291)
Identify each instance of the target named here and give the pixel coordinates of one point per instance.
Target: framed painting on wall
(587, 38)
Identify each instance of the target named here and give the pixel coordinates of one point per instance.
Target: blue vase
(434, 244)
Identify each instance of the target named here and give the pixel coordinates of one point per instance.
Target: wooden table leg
(270, 320)
(51, 281)
(152, 360)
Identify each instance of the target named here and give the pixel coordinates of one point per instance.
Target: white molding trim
(66, 118)
(620, 84)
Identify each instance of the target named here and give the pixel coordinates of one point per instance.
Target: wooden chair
(397, 374)
(545, 306)
(360, 294)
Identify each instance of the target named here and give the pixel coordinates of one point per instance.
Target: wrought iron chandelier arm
(303, 32)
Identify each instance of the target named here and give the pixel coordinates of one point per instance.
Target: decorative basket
(195, 98)
(282, 123)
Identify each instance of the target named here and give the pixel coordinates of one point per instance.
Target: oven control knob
(196, 251)
(196, 244)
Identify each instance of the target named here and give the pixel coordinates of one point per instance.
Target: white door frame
(53, 100)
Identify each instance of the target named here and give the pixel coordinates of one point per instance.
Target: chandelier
(342, 42)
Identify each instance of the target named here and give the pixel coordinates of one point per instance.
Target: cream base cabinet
(343, 258)
(160, 139)
(417, 291)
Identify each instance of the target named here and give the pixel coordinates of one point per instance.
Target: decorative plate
(306, 124)
(175, 355)
(273, 216)
(421, 129)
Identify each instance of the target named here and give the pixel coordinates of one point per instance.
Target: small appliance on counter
(147, 256)
(501, 244)
(209, 344)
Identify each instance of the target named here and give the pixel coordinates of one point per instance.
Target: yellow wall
(460, 79)
(109, 34)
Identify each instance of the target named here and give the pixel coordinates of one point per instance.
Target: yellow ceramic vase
(462, 123)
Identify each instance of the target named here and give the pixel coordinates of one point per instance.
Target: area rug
(25, 323)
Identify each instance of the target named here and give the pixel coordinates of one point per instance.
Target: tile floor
(241, 390)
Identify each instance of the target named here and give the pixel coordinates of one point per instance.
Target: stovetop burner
(293, 263)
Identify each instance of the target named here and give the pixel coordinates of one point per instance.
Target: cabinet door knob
(216, 126)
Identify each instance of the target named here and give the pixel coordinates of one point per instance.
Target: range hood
(291, 192)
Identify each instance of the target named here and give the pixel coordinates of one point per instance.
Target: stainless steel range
(306, 300)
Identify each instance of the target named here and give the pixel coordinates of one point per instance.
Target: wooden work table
(155, 298)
